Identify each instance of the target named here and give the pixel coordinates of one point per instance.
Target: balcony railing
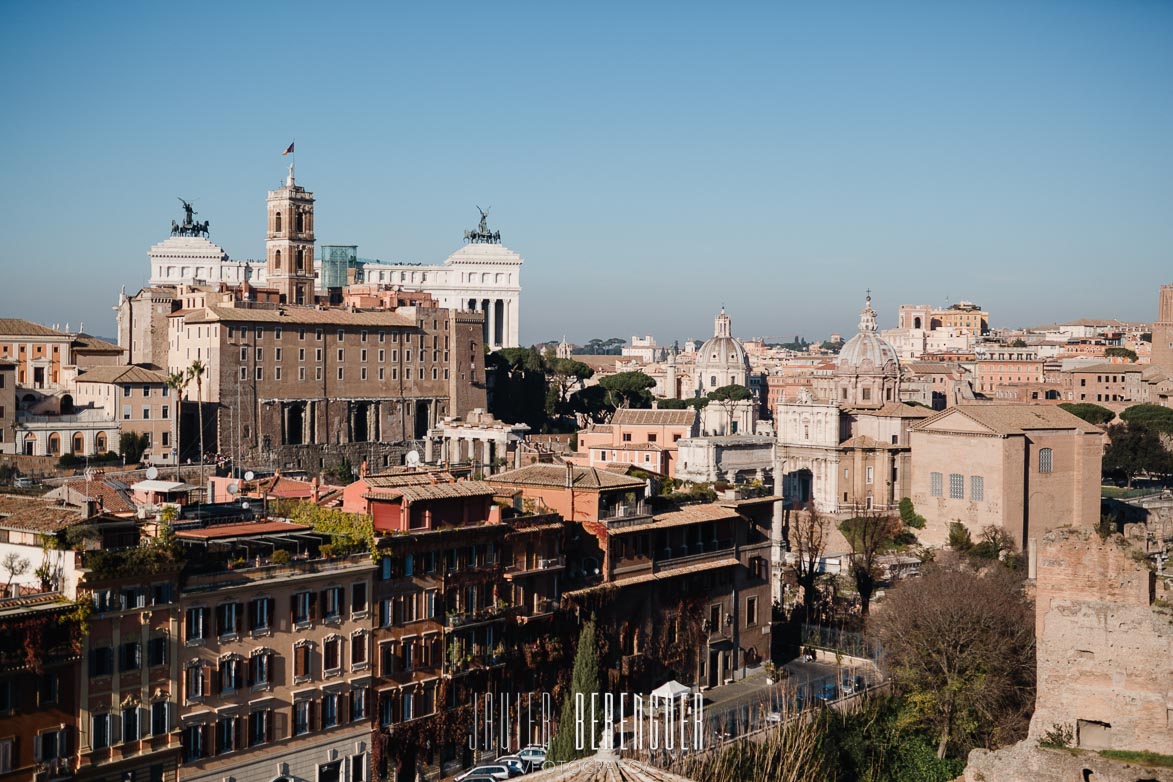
(625, 510)
(480, 616)
(536, 565)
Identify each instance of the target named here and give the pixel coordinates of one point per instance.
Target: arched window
(277, 222)
(54, 444)
(66, 404)
(79, 444)
(300, 259)
(916, 323)
(100, 443)
(1045, 460)
(300, 222)
(277, 259)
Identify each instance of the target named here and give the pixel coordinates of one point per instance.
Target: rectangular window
(751, 611)
(1045, 460)
(358, 705)
(260, 354)
(278, 356)
(329, 710)
(935, 484)
(258, 727)
(259, 669)
(226, 729)
(130, 656)
(130, 724)
(358, 649)
(301, 718)
(157, 651)
(977, 488)
(318, 334)
(332, 599)
(358, 597)
(193, 742)
(956, 486)
(341, 334)
(302, 607)
(100, 731)
(260, 613)
(194, 682)
(194, 626)
(332, 655)
(243, 353)
(277, 333)
(160, 718)
(301, 661)
(228, 619)
(260, 373)
(870, 474)
(231, 676)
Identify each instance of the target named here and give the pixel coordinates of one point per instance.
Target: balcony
(535, 565)
(481, 616)
(636, 511)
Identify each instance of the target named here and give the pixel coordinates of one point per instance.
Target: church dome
(721, 360)
(867, 353)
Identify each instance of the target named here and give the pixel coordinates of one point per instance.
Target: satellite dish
(152, 473)
(248, 476)
(413, 459)
(233, 488)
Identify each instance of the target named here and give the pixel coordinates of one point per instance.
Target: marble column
(491, 320)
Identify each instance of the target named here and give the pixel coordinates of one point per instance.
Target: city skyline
(776, 161)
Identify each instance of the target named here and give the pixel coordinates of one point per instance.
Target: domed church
(844, 447)
(721, 360)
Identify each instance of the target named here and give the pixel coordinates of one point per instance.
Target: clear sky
(650, 161)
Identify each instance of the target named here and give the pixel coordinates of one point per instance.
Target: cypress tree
(585, 680)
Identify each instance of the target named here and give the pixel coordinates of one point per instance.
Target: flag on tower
(288, 151)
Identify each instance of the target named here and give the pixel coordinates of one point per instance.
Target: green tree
(1151, 416)
(728, 397)
(1093, 414)
(869, 536)
(591, 405)
(196, 373)
(132, 445)
(584, 681)
(1121, 353)
(908, 515)
(628, 389)
(959, 537)
(1134, 448)
(1016, 343)
(564, 374)
(177, 382)
(809, 541)
(961, 647)
(518, 388)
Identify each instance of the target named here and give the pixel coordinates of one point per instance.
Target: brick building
(1023, 468)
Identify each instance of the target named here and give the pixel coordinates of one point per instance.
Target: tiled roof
(630, 417)
(122, 374)
(1108, 367)
(931, 367)
(244, 530)
(683, 515)
(16, 327)
(414, 478)
(1015, 419)
(35, 514)
(666, 571)
(90, 344)
(628, 447)
(294, 316)
(439, 491)
(112, 494)
(554, 475)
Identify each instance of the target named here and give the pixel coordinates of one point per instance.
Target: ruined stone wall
(1104, 632)
(1105, 651)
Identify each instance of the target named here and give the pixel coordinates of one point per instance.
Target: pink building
(642, 438)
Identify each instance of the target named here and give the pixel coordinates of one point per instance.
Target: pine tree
(585, 680)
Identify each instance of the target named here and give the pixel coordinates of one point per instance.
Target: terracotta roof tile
(1015, 419)
(294, 315)
(122, 374)
(36, 514)
(630, 417)
(554, 475)
(16, 327)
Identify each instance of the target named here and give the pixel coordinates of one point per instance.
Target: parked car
(517, 763)
(23, 483)
(534, 753)
(774, 718)
(827, 693)
(494, 770)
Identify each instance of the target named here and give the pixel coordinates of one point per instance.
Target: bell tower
(289, 242)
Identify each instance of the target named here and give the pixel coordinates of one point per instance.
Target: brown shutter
(313, 606)
(292, 610)
(281, 729)
(206, 673)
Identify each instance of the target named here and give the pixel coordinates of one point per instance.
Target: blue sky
(650, 161)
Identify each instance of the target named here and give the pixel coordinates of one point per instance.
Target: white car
(488, 770)
(516, 763)
(535, 754)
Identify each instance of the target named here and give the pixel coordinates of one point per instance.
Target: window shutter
(206, 674)
(293, 609)
(268, 725)
(281, 729)
(272, 605)
(37, 748)
(5, 757)
(252, 615)
(313, 606)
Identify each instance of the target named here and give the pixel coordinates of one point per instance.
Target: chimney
(569, 475)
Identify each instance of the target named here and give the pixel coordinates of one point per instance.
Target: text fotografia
(621, 721)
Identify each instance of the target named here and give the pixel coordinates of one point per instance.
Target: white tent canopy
(671, 690)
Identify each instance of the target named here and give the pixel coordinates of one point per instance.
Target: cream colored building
(1023, 468)
(138, 399)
